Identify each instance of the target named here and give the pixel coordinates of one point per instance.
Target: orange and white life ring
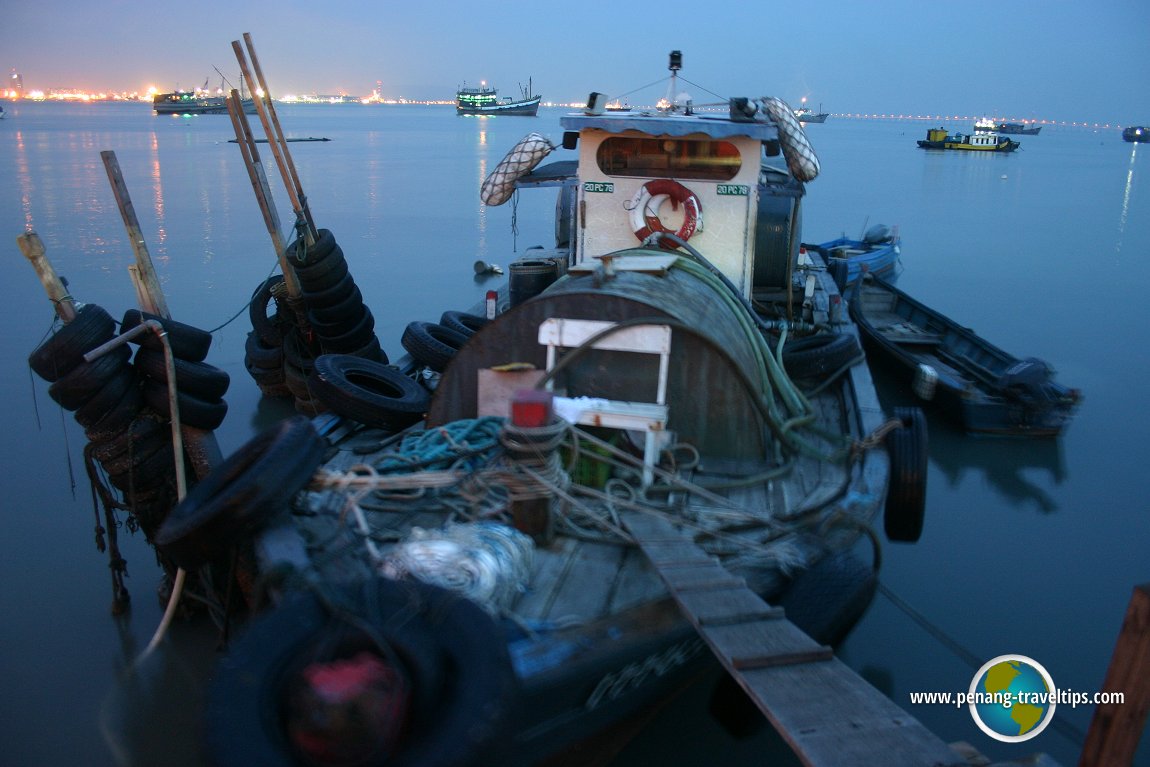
(645, 206)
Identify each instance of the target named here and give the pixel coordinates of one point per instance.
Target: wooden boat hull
(961, 373)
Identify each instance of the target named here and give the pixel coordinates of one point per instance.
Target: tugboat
(985, 141)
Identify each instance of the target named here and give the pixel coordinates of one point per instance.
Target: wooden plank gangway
(826, 712)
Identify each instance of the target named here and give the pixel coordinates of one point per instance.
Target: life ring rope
(644, 208)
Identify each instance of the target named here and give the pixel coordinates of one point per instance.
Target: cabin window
(678, 157)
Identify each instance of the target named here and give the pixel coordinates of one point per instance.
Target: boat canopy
(670, 125)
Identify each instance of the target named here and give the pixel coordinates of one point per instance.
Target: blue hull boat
(878, 251)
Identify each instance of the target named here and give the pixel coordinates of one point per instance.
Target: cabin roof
(659, 124)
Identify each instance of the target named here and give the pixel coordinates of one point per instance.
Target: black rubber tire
(82, 382)
(198, 379)
(187, 342)
(322, 274)
(464, 693)
(265, 375)
(109, 396)
(120, 417)
(297, 381)
(138, 430)
(355, 338)
(257, 354)
(195, 412)
(462, 322)
(322, 247)
(906, 497)
(65, 349)
(146, 473)
(371, 351)
(347, 307)
(432, 344)
(297, 352)
(247, 489)
(828, 599)
(820, 354)
(264, 312)
(368, 392)
(333, 296)
(138, 452)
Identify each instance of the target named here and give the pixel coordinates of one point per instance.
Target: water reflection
(1003, 463)
(1126, 198)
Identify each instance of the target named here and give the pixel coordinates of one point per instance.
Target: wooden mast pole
(33, 249)
(279, 149)
(259, 181)
(279, 134)
(147, 274)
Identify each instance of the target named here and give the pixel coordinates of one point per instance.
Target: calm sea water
(1029, 547)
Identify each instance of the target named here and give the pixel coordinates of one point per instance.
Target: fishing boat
(807, 115)
(878, 252)
(563, 505)
(982, 388)
(196, 102)
(987, 125)
(1136, 134)
(983, 141)
(484, 100)
(665, 427)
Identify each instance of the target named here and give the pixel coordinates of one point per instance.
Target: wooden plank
(1116, 728)
(826, 712)
(717, 608)
(831, 716)
(763, 643)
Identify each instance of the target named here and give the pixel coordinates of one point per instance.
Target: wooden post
(279, 134)
(33, 249)
(147, 274)
(259, 181)
(278, 151)
(1116, 727)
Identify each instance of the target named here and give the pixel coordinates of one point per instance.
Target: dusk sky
(1061, 60)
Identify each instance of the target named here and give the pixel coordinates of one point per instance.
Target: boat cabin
(717, 181)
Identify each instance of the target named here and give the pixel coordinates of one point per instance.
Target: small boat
(878, 251)
(1136, 133)
(807, 115)
(618, 106)
(981, 387)
(987, 125)
(486, 101)
(980, 141)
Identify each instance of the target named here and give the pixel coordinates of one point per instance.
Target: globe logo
(1012, 698)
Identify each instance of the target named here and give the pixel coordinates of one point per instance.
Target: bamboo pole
(278, 149)
(32, 247)
(279, 134)
(147, 274)
(259, 181)
(1117, 727)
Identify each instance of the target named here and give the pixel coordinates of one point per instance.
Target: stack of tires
(200, 387)
(128, 440)
(434, 344)
(331, 319)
